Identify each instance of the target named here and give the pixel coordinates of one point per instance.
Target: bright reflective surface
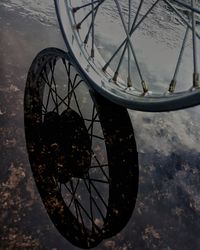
(156, 42)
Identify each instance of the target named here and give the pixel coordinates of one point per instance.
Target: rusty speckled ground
(167, 214)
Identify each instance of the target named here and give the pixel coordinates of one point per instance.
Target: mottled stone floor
(167, 213)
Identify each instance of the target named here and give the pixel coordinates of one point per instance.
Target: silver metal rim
(91, 70)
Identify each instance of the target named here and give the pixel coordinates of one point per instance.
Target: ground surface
(167, 213)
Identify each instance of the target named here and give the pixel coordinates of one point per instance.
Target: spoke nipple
(172, 86)
(74, 10)
(92, 53)
(85, 42)
(144, 86)
(129, 82)
(196, 83)
(104, 68)
(78, 26)
(115, 76)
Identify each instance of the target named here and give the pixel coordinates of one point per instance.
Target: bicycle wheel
(142, 55)
(81, 149)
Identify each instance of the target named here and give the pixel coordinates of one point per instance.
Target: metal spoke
(58, 95)
(92, 122)
(93, 16)
(76, 100)
(44, 111)
(69, 95)
(194, 35)
(88, 120)
(68, 74)
(86, 213)
(98, 193)
(79, 211)
(187, 6)
(78, 26)
(92, 135)
(71, 85)
(96, 180)
(73, 199)
(91, 127)
(77, 104)
(75, 9)
(70, 91)
(96, 136)
(127, 45)
(181, 16)
(68, 70)
(50, 85)
(195, 74)
(49, 92)
(48, 98)
(54, 99)
(53, 81)
(89, 217)
(74, 193)
(133, 29)
(97, 166)
(76, 204)
(93, 200)
(76, 208)
(87, 35)
(144, 86)
(172, 85)
(100, 165)
(129, 83)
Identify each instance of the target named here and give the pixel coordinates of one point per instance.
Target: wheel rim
(76, 19)
(79, 195)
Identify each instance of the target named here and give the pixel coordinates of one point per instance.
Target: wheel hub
(68, 143)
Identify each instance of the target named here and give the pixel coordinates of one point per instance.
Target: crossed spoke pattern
(186, 12)
(87, 196)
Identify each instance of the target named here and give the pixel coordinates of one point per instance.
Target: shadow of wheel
(87, 199)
